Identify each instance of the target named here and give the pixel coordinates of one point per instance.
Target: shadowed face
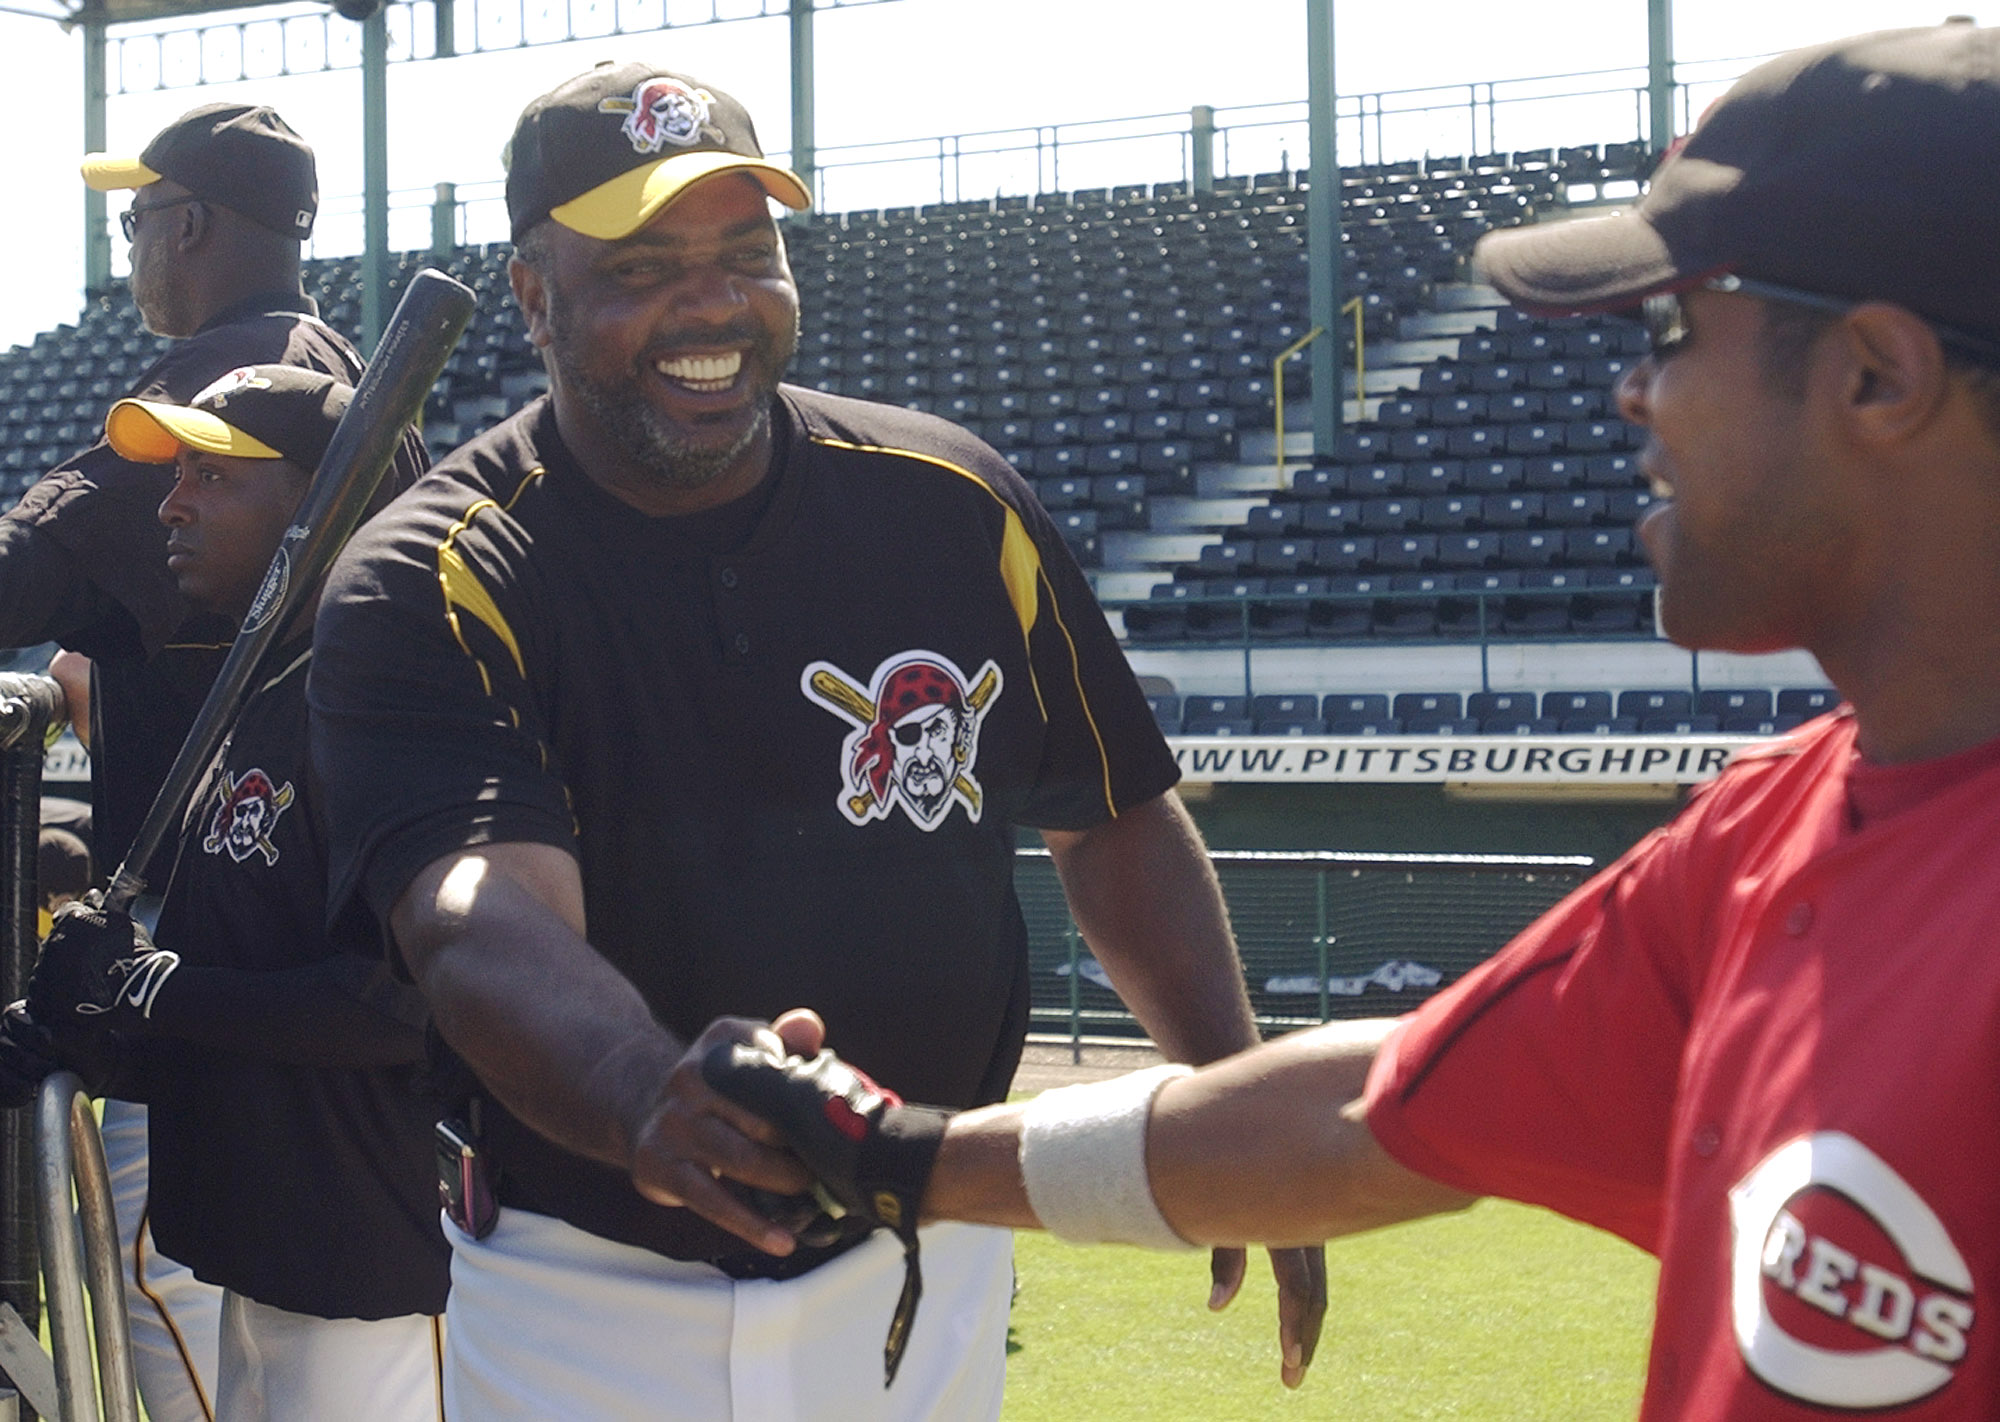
(225, 516)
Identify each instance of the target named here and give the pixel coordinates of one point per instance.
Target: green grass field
(1499, 1314)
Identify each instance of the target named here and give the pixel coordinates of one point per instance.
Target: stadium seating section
(1113, 344)
(1732, 711)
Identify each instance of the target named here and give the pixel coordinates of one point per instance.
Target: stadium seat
(1348, 612)
(1804, 701)
(1655, 705)
(1283, 611)
(1216, 716)
(1536, 609)
(1510, 706)
(1734, 702)
(1577, 705)
(1411, 610)
(1355, 707)
(1598, 726)
(1286, 715)
(1227, 616)
(1166, 710)
(1680, 725)
(1162, 618)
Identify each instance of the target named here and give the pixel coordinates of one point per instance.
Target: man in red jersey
(1763, 1044)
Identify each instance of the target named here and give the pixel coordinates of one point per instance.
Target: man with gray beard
(615, 712)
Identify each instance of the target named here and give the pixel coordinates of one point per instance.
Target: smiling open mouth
(705, 374)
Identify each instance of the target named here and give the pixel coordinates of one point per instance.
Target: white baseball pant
(548, 1322)
(277, 1366)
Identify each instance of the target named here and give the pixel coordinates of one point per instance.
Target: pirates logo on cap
(242, 378)
(664, 111)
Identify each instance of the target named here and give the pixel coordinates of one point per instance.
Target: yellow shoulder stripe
(463, 590)
(1020, 560)
(1021, 572)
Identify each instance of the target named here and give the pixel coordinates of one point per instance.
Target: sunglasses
(1665, 316)
(128, 220)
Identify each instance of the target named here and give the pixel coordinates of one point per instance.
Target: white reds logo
(664, 111)
(915, 742)
(1832, 1243)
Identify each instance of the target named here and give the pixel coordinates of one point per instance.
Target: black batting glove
(29, 1052)
(871, 1153)
(27, 1055)
(98, 969)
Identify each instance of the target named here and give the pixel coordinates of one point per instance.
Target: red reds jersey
(1765, 1045)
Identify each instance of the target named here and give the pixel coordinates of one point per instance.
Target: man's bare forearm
(559, 1037)
(1267, 1147)
(1145, 896)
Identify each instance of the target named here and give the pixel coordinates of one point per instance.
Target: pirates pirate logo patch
(915, 742)
(663, 112)
(247, 816)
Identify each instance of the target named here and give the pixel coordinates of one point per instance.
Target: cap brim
(630, 200)
(1588, 264)
(108, 174)
(148, 432)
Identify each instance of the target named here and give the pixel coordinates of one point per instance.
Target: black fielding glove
(871, 1153)
(98, 968)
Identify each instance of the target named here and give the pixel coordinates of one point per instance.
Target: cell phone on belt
(465, 1188)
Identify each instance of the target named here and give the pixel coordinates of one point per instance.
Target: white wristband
(1083, 1160)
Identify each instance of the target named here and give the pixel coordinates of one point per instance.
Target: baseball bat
(414, 347)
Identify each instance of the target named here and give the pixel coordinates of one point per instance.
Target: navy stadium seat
(1652, 705)
(1806, 700)
(1734, 702)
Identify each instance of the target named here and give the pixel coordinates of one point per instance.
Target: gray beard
(642, 433)
(651, 442)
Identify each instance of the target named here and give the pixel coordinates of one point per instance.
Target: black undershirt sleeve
(343, 1011)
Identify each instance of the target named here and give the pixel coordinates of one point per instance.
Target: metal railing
(1322, 934)
(1487, 608)
(1484, 118)
(79, 1247)
(54, 1156)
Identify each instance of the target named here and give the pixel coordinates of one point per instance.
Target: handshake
(870, 1154)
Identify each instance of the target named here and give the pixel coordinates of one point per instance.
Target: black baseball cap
(1866, 168)
(254, 412)
(604, 152)
(239, 156)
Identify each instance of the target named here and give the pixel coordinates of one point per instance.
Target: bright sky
(913, 69)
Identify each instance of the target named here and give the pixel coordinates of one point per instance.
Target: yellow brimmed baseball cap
(604, 152)
(255, 412)
(239, 156)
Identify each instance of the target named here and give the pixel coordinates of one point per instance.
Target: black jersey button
(727, 577)
(742, 644)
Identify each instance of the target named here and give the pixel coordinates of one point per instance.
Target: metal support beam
(96, 232)
(374, 177)
(444, 222)
(1660, 73)
(1323, 229)
(1201, 125)
(804, 160)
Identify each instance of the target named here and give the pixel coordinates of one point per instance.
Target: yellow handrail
(1360, 354)
(1278, 380)
(1278, 394)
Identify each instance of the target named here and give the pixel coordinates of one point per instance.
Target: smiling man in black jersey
(609, 710)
